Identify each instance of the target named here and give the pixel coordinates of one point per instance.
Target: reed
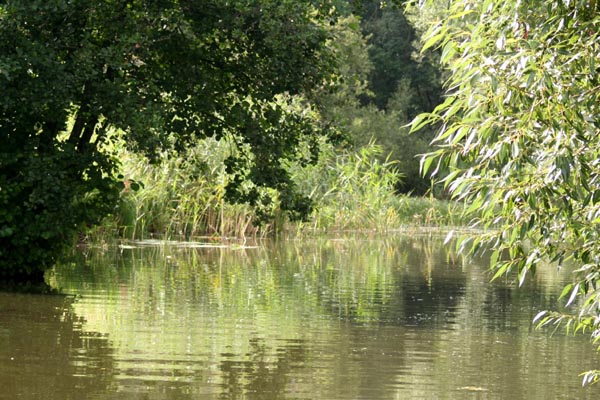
(183, 196)
(354, 191)
(180, 196)
(351, 190)
(427, 211)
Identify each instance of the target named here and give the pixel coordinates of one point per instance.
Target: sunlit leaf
(574, 294)
(539, 315)
(449, 236)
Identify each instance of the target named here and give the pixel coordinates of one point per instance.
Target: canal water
(400, 317)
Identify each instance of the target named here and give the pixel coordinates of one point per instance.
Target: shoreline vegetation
(228, 120)
(183, 197)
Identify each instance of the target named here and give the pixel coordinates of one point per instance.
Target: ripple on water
(339, 320)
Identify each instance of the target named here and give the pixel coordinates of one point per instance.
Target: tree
(165, 73)
(520, 138)
(383, 86)
(393, 48)
(403, 84)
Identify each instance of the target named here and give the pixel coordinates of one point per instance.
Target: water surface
(351, 318)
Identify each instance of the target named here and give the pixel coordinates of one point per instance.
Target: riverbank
(186, 196)
(136, 222)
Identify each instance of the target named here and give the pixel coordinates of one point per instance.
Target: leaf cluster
(519, 135)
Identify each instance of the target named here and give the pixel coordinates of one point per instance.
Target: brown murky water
(395, 318)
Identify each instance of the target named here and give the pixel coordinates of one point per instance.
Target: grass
(429, 211)
(183, 197)
(353, 191)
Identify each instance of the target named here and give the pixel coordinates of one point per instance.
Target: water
(395, 318)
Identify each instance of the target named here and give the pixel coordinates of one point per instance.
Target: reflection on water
(401, 318)
(46, 354)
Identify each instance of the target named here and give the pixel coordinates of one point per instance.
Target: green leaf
(539, 315)
(501, 269)
(432, 41)
(574, 294)
(420, 121)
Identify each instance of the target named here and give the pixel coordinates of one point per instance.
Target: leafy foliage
(519, 136)
(44, 199)
(351, 190)
(166, 73)
(183, 195)
(388, 129)
(383, 85)
(393, 50)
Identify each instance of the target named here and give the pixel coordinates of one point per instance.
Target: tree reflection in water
(399, 317)
(45, 354)
(266, 374)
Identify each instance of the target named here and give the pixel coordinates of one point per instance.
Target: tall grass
(355, 191)
(351, 190)
(428, 211)
(182, 196)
